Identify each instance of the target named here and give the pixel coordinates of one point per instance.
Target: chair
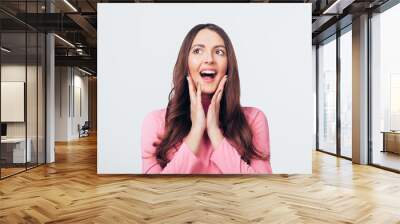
(84, 130)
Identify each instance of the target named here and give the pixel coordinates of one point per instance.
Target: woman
(204, 129)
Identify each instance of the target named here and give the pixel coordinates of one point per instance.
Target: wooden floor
(5, 172)
(8, 171)
(387, 159)
(70, 191)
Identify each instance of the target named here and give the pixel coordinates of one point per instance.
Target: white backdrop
(137, 49)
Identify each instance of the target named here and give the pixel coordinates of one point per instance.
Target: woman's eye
(197, 51)
(220, 52)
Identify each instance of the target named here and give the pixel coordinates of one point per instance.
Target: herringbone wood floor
(70, 191)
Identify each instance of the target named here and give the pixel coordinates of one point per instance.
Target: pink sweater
(223, 160)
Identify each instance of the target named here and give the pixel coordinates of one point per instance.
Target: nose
(208, 58)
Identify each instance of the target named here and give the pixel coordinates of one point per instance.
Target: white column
(50, 92)
(50, 110)
(360, 90)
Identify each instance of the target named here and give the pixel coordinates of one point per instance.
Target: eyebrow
(203, 46)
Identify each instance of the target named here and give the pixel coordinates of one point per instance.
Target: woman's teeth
(207, 74)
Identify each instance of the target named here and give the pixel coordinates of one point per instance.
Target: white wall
(61, 103)
(68, 81)
(135, 73)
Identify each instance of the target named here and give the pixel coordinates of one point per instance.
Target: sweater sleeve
(182, 162)
(229, 161)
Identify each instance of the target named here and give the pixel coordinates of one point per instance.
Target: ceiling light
(70, 5)
(338, 6)
(79, 51)
(329, 9)
(84, 71)
(65, 41)
(5, 50)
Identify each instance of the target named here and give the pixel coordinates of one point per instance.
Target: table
(16, 147)
(391, 141)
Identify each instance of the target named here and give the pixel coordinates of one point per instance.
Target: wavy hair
(232, 120)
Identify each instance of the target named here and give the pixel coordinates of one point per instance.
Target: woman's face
(207, 60)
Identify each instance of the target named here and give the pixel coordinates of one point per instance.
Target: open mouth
(208, 74)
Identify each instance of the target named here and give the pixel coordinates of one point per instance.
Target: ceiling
(76, 22)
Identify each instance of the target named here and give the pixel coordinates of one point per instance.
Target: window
(327, 96)
(22, 77)
(385, 89)
(346, 93)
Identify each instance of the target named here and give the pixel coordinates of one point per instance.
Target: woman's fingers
(221, 92)
(219, 97)
(192, 92)
(220, 89)
(198, 93)
(222, 83)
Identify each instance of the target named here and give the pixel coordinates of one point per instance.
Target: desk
(391, 141)
(16, 148)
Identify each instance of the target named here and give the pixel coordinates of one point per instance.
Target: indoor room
(158, 111)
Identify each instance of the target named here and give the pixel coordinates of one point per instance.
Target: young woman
(204, 129)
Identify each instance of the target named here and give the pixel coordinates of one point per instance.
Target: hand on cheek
(200, 122)
(213, 130)
(197, 116)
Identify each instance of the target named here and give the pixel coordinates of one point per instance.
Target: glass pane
(327, 96)
(41, 98)
(386, 89)
(346, 93)
(314, 66)
(31, 101)
(13, 86)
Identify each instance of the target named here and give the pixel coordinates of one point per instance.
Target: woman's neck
(206, 100)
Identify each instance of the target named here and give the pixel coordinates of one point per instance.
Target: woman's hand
(197, 116)
(213, 130)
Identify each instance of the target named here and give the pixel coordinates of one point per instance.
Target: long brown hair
(233, 123)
